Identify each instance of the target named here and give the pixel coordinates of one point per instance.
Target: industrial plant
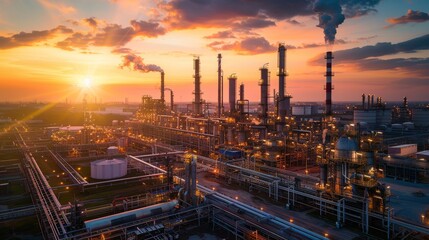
(272, 169)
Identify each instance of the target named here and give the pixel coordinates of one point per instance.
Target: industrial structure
(154, 176)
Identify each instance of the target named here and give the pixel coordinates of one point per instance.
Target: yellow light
(86, 83)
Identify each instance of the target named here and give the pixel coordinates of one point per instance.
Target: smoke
(135, 63)
(330, 16)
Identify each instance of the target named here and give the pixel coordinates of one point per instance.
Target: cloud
(221, 35)
(417, 66)
(91, 22)
(256, 22)
(122, 51)
(357, 8)
(293, 22)
(411, 16)
(147, 29)
(247, 46)
(368, 58)
(135, 62)
(31, 38)
(379, 49)
(367, 38)
(76, 40)
(112, 35)
(185, 13)
(64, 9)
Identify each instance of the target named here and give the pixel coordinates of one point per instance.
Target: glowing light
(86, 83)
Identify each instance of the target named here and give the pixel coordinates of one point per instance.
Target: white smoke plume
(134, 62)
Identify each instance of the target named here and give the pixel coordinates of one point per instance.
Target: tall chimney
(363, 101)
(369, 101)
(328, 87)
(197, 92)
(232, 92)
(219, 86)
(283, 102)
(162, 88)
(372, 100)
(263, 82)
(241, 98)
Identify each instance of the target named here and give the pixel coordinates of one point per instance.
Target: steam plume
(330, 16)
(135, 63)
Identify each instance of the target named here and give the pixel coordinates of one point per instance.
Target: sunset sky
(50, 50)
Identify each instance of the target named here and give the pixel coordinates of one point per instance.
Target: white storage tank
(108, 169)
(420, 117)
(403, 150)
(112, 150)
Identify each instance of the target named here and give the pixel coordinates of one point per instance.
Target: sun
(86, 83)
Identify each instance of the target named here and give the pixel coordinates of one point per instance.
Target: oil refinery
(268, 170)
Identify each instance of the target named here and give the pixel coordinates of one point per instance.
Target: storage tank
(128, 216)
(112, 150)
(108, 169)
(420, 117)
(346, 148)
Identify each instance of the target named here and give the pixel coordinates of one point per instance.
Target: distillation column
(241, 102)
(232, 92)
(197, 92)
(219, 86)
(283, 99)
(162, 88)
(264, 83)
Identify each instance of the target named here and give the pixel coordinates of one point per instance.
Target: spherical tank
(345, 148)
(108, 169)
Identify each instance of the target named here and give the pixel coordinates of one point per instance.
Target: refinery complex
(271, 169)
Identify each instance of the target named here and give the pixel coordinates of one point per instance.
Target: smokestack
(219, 85)
(232, 92)
(283, 100)
(328, 87)
(369, 101)
(263, 82)
(363, 101)
(171, 99)
(405, 102)
(241, 98)
(162, 88)
(197, 92)
(372, 100)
